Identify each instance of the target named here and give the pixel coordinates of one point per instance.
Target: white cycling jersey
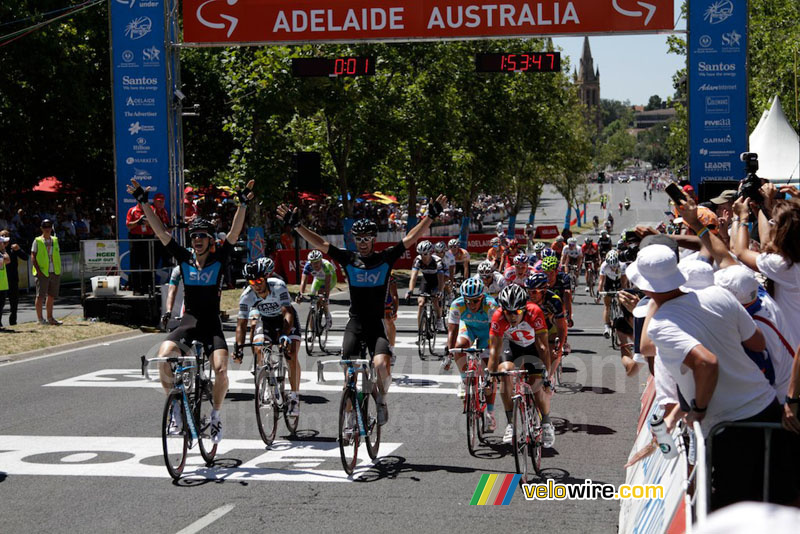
(449, 260)
(612, 273)
(252, 306)
(497, 284)
(570, 252)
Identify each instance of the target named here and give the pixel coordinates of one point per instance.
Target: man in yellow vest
(46, 258)
(5, 259)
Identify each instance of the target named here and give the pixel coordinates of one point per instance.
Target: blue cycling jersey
(460, 313)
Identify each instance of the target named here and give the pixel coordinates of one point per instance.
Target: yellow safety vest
(43, 260)
(3, 276)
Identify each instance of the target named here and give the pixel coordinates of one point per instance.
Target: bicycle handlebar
(161, 359)
(343, 362)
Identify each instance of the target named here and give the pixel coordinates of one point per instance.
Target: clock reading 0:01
(531, 62)
(340, 66)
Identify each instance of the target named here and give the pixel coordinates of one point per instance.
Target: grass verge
(31, 336)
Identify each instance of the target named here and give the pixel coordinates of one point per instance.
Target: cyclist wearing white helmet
(518, 338)
(266, 302)
(323, 274)
(538, 248)
(492, 280)
(460, 255)
(519, 272)
(368, 277)
(612, 278)
(468, 323)
(558, 246)
(433, 277)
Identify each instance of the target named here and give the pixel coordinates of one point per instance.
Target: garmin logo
(144, 80)
(710, 87)
(715, 140)
(716, 67)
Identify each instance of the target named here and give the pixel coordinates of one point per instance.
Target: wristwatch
(792, 400)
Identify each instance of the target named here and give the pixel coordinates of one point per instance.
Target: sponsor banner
(139, 80)
(276, 21)
(653, 515)
(255, 243)
(547, 232)
(717, 90)
(100, 253)
(285, 264)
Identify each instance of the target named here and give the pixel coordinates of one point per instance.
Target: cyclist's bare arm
(543, 348)
(452, 334)
(288, 319)
(561, 328)
(153, 220)
(412, 282)
(238, 217)
(241, 330)
(495, 346)
(326, 291)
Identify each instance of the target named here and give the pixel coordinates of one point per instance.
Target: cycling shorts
(372, 332)
(472, 333)
(425, 287)
(271, 328)
(206, 330)
(611, 285)
(522, 357)
(319, 284)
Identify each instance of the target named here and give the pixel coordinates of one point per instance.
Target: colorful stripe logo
(495, 489)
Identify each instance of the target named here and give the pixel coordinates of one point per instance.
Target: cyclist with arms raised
(468, 323)
(324, 275)
(518, 338)
(368, 275)
(268, 299)
(202, 266)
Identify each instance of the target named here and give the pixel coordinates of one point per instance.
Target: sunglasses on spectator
(363, 238)
(256, 281)
(200, 235)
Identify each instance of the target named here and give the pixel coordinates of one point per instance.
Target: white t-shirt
(787, 288)
(666, 388)
(780, 356)
(712, 317)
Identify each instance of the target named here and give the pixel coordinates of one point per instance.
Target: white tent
(777, 146)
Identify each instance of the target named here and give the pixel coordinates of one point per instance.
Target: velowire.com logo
(495, 489)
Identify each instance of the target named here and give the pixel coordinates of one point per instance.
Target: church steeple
(588, 82)
(586, 72)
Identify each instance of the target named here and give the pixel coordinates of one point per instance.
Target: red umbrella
(51, 184)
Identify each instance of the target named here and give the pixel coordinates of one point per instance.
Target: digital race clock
(340, 66)
(530, 62)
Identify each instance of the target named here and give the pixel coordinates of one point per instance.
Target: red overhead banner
(280, 21)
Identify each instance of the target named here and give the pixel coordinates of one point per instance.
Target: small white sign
(100, 253)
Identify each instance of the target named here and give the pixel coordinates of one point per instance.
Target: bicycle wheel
(432, 333)
(310, 332)
(266, 414)
(174, 445)
(421, 338)
(290, 420)
(348, 431)
(535, 447)
(590, 283)
(322, 331)
(472, 416)
(519, 441)
(559, 371)
(369, 412)
(202, 415)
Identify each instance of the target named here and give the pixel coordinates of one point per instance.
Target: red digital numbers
(345, 65)
(531, 62)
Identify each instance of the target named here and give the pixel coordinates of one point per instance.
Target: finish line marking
(98, 456)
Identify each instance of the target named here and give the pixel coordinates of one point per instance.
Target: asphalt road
(80, 444)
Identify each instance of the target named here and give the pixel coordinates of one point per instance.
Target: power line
(32, 17)
(13, 36)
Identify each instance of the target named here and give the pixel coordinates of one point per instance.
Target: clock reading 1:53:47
(527, 62)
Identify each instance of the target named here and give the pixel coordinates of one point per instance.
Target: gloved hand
(238, 353)
(434, 209)
(165, 320)
(140, 194)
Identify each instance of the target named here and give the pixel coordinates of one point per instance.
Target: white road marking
(99, 456)
(242, 380)
(206, 520)
(402, 341)
(106, 343)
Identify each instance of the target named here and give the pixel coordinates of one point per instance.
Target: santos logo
(144, 80)
(717, 67)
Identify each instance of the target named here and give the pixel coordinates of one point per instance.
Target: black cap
(660, 239)
(47, 223)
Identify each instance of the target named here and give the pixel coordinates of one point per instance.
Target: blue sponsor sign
(255, 243)
(140, 88)
(717, 89)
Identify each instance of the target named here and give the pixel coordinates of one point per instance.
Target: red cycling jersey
(524, 334)
(590, 250)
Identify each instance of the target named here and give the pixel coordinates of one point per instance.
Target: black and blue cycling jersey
(202, 287)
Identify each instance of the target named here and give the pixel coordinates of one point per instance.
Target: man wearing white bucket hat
(700, 337)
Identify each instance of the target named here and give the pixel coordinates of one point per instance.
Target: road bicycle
(270, 398)
(615, 312)
(186, 420)
(316, 324)
(573, 276)
(427, 328)
(526, 423)
(362, 422)
(559, 370)
(475, 396)
(591, 278)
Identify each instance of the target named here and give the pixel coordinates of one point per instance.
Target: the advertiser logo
(141, 146)
(141, 114)
(151, 56)
(718, 11)
(136, 127)
(723, 166)
(717, 124)
(138, 28)
(725, 139)
(719, 87)
(140, 101)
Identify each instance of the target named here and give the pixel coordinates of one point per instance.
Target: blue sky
(632, 67)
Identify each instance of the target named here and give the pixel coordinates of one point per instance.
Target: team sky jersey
(201, 287)
(612, 273)
(460, 313)
(252, 306)
(326, 269)
(524, 334)
(589, 251)
(368, 278)
(512, 277)
(495, 286)
(430, 270)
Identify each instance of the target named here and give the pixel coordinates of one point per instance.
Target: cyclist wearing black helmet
(368, 276)
(266, 300)
(201, 268)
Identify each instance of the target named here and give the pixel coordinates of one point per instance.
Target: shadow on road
(391, 467)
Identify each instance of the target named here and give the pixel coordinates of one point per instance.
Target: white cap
(656, 270)
(740, 281)
(4, 239)
(699, 275)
